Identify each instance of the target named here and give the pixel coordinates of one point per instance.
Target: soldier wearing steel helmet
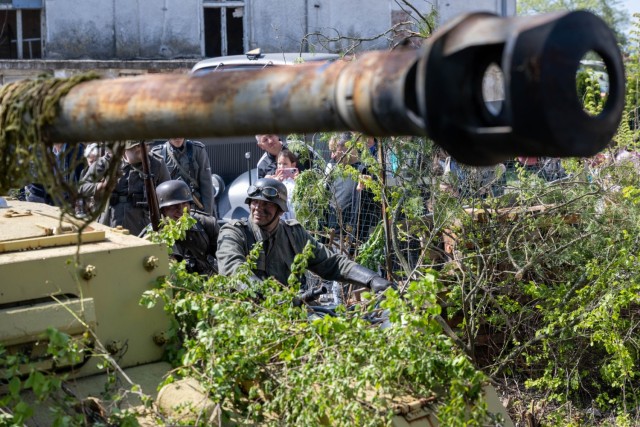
(198, 248)
(281, 241)
(128, 205)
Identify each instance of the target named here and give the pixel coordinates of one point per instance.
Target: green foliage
(589, 92)
(611, 11)
(19, 373)
(171, 230)
(559, 283)
(371, 253)
(311, 199)
(266, 361)
(540, 282)
(339, 371)
(632, 73)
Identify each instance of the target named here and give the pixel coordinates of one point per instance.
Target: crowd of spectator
(180, 169)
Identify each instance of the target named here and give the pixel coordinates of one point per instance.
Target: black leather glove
(380, 284)
(360, 275)
(363, 276)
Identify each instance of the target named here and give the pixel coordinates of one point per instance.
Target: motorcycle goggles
(268, 192)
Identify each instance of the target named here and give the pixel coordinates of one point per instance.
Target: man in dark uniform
(281, 241)
(198, 248)
(272, 145)
(188, 161)
(128, 205)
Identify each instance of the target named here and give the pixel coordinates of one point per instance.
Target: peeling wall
(277, 25)
(173, 29)
(281, 24)
(123, 29)
(449, 9)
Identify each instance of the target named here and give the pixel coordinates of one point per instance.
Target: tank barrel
(302, 98)
(435, 91)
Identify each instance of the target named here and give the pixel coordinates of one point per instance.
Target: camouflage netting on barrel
(27, 155)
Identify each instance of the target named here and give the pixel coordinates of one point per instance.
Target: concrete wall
(123, 29)
(276, 25)
(351, 19)
(449, 9)
(282, 24)
(173, 29)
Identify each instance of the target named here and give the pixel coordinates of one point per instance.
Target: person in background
(128, 206)
(286, 172)
(342, 187)
(372, 146)
(87, 204)
(91, 154)
(188, 161)
(530, 164)
(268, 163)
(353, 211)
(68, 162)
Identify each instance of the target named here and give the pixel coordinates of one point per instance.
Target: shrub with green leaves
(554, 280)
(27, 387)
(267, 361)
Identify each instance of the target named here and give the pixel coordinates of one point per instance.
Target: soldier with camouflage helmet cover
(281, 241)
(128, 205)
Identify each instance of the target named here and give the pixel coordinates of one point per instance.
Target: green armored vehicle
(88, 284)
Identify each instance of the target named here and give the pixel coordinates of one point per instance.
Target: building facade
(449, 9)
(192, 29)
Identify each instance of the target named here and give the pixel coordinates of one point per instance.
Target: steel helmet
(270, 190)
(173, 192)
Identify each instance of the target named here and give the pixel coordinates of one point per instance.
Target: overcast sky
(633, 6)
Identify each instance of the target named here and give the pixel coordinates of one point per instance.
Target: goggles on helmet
(268, 192)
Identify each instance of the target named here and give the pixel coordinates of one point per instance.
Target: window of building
(20, 29)
(223, 28)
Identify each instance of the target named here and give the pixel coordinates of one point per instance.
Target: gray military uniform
(198, 248)
(190, 163)
(128, 202)
(279, 249)
(199, 245)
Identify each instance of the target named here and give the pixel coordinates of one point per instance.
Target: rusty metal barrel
(434, 91)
